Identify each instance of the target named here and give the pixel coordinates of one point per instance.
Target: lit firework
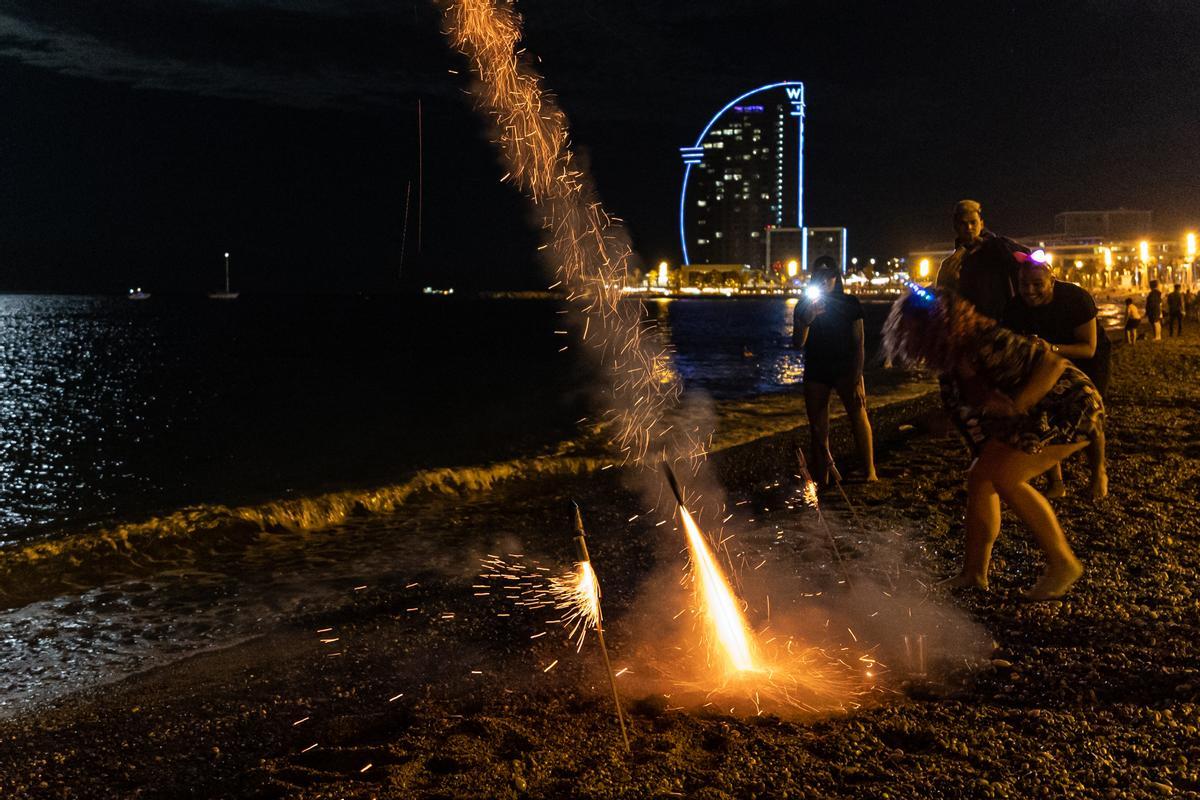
(768, 670)
(574, 597)
(577, 596)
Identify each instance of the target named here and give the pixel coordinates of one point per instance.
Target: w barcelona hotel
(741, 206)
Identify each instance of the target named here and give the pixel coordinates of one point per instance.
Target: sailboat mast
(227, 273)
(420, 172)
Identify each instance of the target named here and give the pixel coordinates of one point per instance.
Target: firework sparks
(589, 249)
(716, 602)
(764, 669)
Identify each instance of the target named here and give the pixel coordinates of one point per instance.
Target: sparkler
(588, 580)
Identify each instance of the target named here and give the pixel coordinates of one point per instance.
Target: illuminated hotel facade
(744, 175)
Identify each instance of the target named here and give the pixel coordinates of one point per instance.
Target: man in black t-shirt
(1064, 316)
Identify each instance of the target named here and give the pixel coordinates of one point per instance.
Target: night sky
(141, 139)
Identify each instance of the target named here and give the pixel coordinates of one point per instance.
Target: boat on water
(138, 294)
(225, 295)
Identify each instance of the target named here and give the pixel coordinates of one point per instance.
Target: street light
(1190, 246)
(662, 273)
(793, 267)
(923, 268)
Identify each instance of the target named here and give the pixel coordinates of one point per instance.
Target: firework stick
(581, 553)
(673, 482)
(837, 554)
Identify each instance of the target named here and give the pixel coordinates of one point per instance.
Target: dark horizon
(137, 149)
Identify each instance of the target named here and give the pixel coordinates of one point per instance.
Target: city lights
(1144, 250)
(1108, 258)
(923, 268)
(1190, 246)
(662, 273)
(793, 266)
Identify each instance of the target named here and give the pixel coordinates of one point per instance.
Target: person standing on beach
(982, 267)
(1133, 318)
(1064, 317)
(827, 324)
(1026, 409)
(1175, 312)
(1154, 310)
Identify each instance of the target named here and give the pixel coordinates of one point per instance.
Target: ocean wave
(211, 527)
(32, 569)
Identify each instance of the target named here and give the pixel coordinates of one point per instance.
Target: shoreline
(1093, 696)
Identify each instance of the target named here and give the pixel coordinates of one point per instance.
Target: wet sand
(411, 686)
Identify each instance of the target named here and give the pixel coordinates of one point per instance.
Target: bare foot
(1055, 490)
(1056, 582)
(965, 580)
(1099, 484)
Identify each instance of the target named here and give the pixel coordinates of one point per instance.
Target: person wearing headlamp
(1023, 408)
(1064, 317)
(827, 324)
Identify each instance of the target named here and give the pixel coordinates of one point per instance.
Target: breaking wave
(212, 528)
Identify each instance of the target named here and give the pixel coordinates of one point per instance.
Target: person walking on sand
(1154, 310)
(982, 268)
(1025, 408)
(828, 325)
(1175, 312)
(1064, 316)
(1133, 318)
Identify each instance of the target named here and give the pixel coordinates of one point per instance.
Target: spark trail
(590, 249)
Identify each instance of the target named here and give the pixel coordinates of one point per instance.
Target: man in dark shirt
(1175, 311)
(1154, 310)
(1064, 316)
(982, 267)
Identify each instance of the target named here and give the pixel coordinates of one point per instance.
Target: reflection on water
(111, 410)
(740, 348)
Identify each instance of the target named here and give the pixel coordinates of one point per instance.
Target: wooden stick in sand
(581, 554)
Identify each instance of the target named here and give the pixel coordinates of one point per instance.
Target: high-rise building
(745, 173)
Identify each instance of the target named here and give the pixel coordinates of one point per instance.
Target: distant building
(826, 247)
(1117, 224)
(744, 173)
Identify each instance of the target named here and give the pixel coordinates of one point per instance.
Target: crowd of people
(1023, 366)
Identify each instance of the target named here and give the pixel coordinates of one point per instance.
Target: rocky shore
(413, 687)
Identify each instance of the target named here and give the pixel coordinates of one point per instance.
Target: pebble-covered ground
(414, 688)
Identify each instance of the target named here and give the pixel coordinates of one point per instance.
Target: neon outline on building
(708, 153)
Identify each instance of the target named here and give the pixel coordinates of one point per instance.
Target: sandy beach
(414, 687)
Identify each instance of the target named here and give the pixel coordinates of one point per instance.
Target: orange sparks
(717, 604)
(589, 249)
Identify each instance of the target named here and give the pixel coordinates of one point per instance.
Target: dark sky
(141, 139)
